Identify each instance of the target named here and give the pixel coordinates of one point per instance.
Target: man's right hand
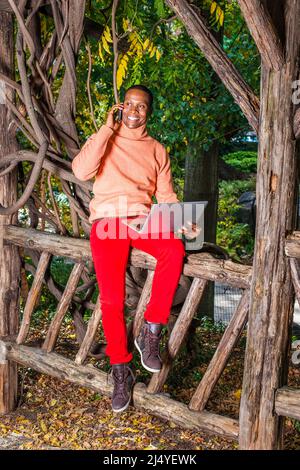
(110, 121)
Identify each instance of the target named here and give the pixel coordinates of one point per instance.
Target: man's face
(136, 108)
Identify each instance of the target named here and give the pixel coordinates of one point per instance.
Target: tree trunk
(271, 293)
(201, 184)
(9, 255)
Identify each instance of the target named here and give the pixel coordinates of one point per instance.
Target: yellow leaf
(43, 426)
(221, 19)
(105, 45)
(53, 402)
(219, 14)
(146, 44)
(119, 78)
(158, 55)
(153, 51)
(107, 34)
(131, 430)
(238, 393)
(139, 47)
(54, 442)
(124, 63)
(121, 71)
(125, 24)
(213, 7)
(100, 52)
(133, 38)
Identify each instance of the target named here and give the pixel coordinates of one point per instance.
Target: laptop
(169, 216)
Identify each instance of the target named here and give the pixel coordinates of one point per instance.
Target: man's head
(138, 103)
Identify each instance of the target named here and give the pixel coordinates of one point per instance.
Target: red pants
(110, 256)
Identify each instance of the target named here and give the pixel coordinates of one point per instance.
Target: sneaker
(147, 344)
(123, 379)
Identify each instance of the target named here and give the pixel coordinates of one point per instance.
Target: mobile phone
(120, 114)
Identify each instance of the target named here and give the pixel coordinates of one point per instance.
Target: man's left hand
(190, 232)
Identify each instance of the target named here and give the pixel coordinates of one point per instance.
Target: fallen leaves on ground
(57, 414)
(60, 415)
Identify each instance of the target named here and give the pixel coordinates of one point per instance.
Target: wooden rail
(88, 376)
(201, 265)
(287, 402)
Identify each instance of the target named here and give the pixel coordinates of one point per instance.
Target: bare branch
(32, 181)
(56, 169)
(88, 84)
(24, 30)
(63, 229)
(26, 89)
(115, 47)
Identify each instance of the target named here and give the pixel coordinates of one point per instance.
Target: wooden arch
(269, 286)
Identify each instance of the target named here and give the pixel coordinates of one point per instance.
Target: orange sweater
(130, 166)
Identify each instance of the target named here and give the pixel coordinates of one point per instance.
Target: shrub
(244, 161)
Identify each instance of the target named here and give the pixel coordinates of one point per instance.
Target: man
(130, 166)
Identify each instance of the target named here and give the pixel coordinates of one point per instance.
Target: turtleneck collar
(138, 133)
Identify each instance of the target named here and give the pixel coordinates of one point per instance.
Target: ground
(54, 414)
(58, 414)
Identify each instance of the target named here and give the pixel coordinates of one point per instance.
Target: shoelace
(153, 343)
(120, 390)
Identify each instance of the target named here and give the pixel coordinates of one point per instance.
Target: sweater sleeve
(86, 163)
(164, 183)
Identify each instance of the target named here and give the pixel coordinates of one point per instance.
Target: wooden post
(9, 255)
(271, 292)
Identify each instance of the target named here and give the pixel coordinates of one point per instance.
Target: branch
(73, 202)
(66, 102)
(263, 31)
(88, 84)
(115, 46)
(5, 6)
(62, 227)
(46, 214)
(26, 89)
(231, 78)
(30, 186)
(161, 20)
(54, 168)
(91, 27)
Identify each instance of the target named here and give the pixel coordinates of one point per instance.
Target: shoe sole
(143, 364)
(119, 410)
